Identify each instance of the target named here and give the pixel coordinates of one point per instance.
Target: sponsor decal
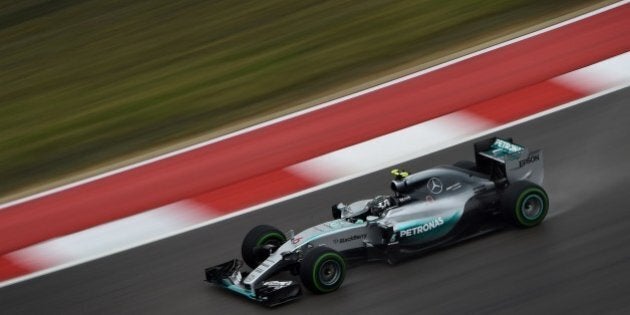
(422, 228)
(528, 160)
(296, 240)
(454, 187)
(277, 284)
(350, 238)
(435, 185)
(404, 199)
(504, 145)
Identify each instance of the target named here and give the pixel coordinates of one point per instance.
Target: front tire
(323, 270)
(524, 204)
(252, 249)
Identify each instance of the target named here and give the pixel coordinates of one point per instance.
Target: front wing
(270, 293)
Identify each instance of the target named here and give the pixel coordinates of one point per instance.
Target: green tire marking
(269, 235)
(519, 216)
(316, 268)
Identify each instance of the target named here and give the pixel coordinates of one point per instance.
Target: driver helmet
(379, 204)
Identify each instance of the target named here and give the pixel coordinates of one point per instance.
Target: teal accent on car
(502, 148)
(239, 290)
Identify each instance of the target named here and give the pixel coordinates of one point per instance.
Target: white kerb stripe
(387, 149)
(600, 76)
(110, 236)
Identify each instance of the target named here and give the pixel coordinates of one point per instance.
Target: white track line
(305, 111)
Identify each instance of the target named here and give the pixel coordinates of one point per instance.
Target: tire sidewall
(258, 237)
(313, 263)
(514, 197)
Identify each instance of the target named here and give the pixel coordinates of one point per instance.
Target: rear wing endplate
(503, 160)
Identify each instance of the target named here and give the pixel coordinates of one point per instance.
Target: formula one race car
(427, 210)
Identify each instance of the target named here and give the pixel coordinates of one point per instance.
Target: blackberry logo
(350, 239)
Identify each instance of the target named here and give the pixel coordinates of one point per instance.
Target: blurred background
(89, 85)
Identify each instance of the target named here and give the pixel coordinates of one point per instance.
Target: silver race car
(427, 210)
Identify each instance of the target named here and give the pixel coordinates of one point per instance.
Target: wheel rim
(330, 272)
(274, 241)
(532, 207)
(270, 239)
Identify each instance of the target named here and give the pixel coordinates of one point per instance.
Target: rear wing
(504, 160)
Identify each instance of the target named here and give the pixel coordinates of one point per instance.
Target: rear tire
(252, 247)
(323, 270)
(524, 204)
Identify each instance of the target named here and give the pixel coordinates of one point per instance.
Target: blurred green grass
(87, 82)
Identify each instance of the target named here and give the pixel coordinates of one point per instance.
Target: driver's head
(379, 204)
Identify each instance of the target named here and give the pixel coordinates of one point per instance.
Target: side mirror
(336, 210)
(371, 218)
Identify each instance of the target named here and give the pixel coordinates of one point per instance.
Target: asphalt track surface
(577, 261)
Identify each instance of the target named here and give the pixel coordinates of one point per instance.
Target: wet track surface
(577, 261)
